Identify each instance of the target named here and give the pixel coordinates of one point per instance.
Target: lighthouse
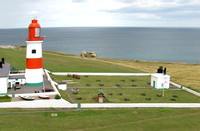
(34, 71)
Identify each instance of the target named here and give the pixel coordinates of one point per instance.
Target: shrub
(143, 94)
(110, 94)
(78, 98)
(88, 84)
(126, 99)
(175, 96)
(75, 92)
(120, 94)
(57, 97)
(158, 95)
(173, 99)
(148, 98)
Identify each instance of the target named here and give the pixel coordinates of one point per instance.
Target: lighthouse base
(34, 76)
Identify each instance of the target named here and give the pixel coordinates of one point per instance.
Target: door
(154, 84)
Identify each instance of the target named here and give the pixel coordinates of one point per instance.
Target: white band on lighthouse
(34, 76)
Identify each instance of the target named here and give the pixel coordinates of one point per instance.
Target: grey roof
(4, 72)
(61, 82)
(17, 77)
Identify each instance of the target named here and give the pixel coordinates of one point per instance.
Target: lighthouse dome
(34, 31)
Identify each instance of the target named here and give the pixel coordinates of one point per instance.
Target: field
(150, 119)
(89, 95)
(107, 81)
(185, 74)
(107, 119)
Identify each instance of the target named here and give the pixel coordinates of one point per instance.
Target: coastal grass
(5, 98)
(60, 62)
(150, 119)
(89, 95)
(65, 96)
(107, 81)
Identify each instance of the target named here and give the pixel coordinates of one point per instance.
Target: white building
(4, 75)
(62, 85)
(160, 81)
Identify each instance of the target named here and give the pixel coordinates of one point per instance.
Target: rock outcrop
(88, 54)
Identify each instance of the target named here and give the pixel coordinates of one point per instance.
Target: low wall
(142, 105)
(184, 88)
(53, 83)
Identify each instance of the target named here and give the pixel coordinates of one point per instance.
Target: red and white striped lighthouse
(34, 71)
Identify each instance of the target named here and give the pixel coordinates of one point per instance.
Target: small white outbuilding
(62, 85)
(160, 81)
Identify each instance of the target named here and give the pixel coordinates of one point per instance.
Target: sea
(131, 43)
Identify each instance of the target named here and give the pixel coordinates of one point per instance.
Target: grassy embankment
(150, 119)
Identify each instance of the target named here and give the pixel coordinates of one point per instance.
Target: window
(33, 51)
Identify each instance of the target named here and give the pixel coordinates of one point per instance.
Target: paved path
(70, 95)
(102, 74)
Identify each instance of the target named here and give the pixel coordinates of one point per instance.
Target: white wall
(37, 45)
(3, 85)
(62, 86)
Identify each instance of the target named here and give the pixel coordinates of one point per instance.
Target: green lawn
(89, 95)
(5, 99)
(62, 62)
(108, 81)
(150, 119)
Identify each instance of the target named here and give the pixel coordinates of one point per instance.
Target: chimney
(1, 65)
(3, 60)
(165, 71)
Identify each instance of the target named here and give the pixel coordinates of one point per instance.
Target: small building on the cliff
(160, 81)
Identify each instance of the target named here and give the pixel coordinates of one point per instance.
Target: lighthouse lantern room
(34, 71)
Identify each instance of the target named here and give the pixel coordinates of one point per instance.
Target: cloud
(79, 1)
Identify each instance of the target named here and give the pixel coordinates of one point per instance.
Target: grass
(62, 62)
(65, 96)
(5, 98)
(184, 74)
(108, 81)
(150, 119)
(89, 95)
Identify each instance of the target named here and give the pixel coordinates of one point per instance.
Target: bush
(78, 98)
(75, 92)
(158, 95)
(88, 84)
(126, 99)
(120, 94)
(57, 97)
(110, 94)
(118, 85)
(175, 96)
(148, 98)
(173, 99)
(143, 94)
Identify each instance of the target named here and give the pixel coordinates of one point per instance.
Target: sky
(100, 13)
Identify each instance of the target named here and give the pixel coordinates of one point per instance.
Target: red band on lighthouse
(33, 63)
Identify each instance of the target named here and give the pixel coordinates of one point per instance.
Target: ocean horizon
(132, 43)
